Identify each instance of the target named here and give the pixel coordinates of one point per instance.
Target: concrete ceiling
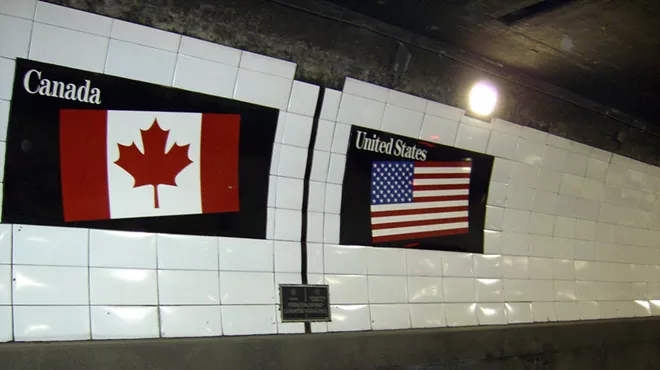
(605, 50)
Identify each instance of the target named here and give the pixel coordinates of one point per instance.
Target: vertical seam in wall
(305, 195)
(89, 280)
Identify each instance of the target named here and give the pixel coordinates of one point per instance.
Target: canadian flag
(127, 164)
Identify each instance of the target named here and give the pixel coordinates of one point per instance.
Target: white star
(389, 165)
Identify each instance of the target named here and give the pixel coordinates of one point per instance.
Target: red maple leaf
(154, 166)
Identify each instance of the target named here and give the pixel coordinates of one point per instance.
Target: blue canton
(392, 182)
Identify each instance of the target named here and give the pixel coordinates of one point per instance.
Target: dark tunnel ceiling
(607, 51)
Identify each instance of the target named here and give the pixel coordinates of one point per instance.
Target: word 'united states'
(415, 200)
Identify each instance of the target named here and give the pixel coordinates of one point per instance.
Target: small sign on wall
(96, 151)
(404, 192)
(304, 303)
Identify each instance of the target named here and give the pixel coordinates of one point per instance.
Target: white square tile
(331, 228)
(333, 195)
(586, 208)
(275, 159)
(494, 218)
(51, 323)
(616, 174)
(5, 243)
(262, 89)
(123, 287)
(324, 135)
(14, 37)
(519, 197)
(517, 313)
(565, 290)
(592, 189)
(386, 261)
(425, 289)
(571, 185)
(444, 111)
(523, 174)
(340, 138)
(6, 319)
(61, 46)
(457, 264)
(348, 289)
(563, 269)
(390, 316)
(502, 145)
(477, 122)
(316, 201)
(292, 161)
(58, 246)
(116, 322)
(528, 151)
(516, 244)
(506, 127)
(515, 267)
(349, 318)
(122, 249)
(74, 19)
(289, 193)
(5, 285)
(320, 163)
(424, 262)
(428, 315)
(18, 8)
(388, 289)
(187, 252)
(459, 289)
(501, 170)
(402, 121)
(7, 67)
(303, 98)
(600, 154)
(336, 168)
(249, 320)
(567, 205)
(210, 51)
(540, 268)
(472, 138)
(287, 257)
(146, 36)
(177, 287)
(359, 111)
(549, 180)
(567, 311)
(297, 130)
(565, 227)
(491, 314)
(265, 64)
(516, 220)
(487, 266)
(290, 278)
(140, 63)
(238, 254)
(597, 169)
(365, 89)
(343, 259)
(330, 107)
(406, 101)
(43, 285)
(4, 119)
(489, 290)
(588, 310)
(554, 158)
(585, 230)
(533, 134)
(247, 288)
(461, 314)
(204, 76)
(541, 224)
(190, 321)
(439, 130)
(287, 224)
(314, 258)
(576, 164)
(642, 308)
(492, 242)
(497, 194)
(544, 311)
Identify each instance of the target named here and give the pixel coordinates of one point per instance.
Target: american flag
(413, 200)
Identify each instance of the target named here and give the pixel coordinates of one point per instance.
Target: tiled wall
(572, 232)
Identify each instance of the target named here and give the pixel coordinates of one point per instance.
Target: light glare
(483, 98)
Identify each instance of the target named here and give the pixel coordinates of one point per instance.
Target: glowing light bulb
(483, 98)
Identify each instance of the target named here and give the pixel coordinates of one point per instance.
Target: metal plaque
(304, 303)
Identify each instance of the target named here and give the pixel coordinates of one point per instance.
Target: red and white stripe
(439, 207)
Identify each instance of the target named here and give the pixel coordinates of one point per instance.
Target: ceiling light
(483, 98)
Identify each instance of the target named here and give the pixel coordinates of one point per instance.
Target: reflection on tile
(58, 246)
(50, 323)
(461, 314)
(428, 315)
(349, 318)
(388, 289)
(348, 289)
(518, 312)
(491, 314)
(424, 289)
(424, 262)
(489, 290)
(123, 287)
(43, 285)
(342, 259)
